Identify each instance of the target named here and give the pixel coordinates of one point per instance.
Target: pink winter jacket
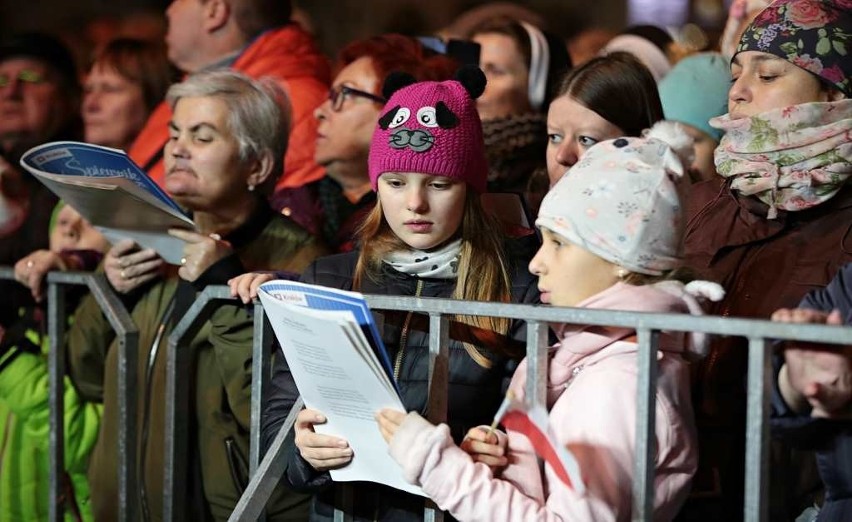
(592, 380)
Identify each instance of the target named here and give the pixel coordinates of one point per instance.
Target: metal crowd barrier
(267, 471)
(128, 341)
(648, 326)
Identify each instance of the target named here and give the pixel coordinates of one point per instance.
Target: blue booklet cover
(83, 159)
(324, 298)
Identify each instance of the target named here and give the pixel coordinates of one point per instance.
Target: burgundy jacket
(763, 265)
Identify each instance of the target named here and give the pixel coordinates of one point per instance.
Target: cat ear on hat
(472, 79)
(396, 81)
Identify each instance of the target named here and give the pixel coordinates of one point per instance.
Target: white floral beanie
(623, 201)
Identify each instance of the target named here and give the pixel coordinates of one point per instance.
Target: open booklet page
(338, 373)
(111, 192)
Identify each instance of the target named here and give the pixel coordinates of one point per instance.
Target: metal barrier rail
(648, 326)
(178, 410)
(266, 473)
(128, 341)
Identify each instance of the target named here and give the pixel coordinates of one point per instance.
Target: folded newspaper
(111, 192)
(340, 365)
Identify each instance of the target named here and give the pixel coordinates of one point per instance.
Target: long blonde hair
(482, 275)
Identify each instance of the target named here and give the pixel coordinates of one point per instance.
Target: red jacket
(287, 54)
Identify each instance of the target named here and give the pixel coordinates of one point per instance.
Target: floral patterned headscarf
(811, 34)
(792, 158)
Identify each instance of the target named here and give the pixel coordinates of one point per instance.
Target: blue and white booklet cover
(339, 363)
(111, 192)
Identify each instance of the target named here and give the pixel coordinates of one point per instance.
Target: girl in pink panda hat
(427, 236)
(612, 231)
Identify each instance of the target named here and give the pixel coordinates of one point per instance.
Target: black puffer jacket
(474, 395)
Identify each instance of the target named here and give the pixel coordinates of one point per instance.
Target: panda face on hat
(416, 130)
(431, 128)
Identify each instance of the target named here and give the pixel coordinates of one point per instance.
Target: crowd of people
(641, 178)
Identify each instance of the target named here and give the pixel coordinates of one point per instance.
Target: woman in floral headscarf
(778, 222)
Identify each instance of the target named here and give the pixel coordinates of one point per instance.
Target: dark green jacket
(221, 384)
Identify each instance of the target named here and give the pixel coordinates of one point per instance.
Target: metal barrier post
(178, 359)
(260, 375)
(128, 340)
(757, 430)
(56, 397)
(265, 480)
(645, 448)
(439, 382)
(536, 386)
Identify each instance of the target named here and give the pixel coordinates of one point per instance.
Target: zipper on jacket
(237, 464)
(403, 338)
(149, 371)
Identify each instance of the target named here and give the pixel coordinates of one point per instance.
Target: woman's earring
(622, 273)
(251, 187)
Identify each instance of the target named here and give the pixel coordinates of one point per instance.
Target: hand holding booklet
(340, 365)
(111, 192)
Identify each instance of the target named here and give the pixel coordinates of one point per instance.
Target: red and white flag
(533, 422)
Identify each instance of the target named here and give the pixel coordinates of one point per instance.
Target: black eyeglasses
(338, 94)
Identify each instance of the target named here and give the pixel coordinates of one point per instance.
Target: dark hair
(619, 89)
(141, 62)
(396, 52)
(560, 60)
(255, 16)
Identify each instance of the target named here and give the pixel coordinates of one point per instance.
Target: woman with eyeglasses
(335, 205)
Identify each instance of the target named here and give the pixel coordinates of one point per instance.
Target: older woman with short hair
(226, 138)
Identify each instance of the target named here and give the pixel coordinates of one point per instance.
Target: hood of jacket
(287, 52)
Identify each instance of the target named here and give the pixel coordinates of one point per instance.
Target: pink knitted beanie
(431, 128)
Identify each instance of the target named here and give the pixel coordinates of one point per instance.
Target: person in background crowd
(39, 102)
(740, 14)
(607, 97)
(24, 409)
(427, 236)
(126, 81)
(587, 44)
(594, 255)
(694, 91)
(650, 44)
(523, 66)
(257, 38)
(463, 25)
(776, 223)
(227, 135)
(812, 396)
(335, 205)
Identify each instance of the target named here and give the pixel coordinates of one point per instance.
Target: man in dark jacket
(812, 398)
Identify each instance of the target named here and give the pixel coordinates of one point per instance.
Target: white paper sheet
(338, 374)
